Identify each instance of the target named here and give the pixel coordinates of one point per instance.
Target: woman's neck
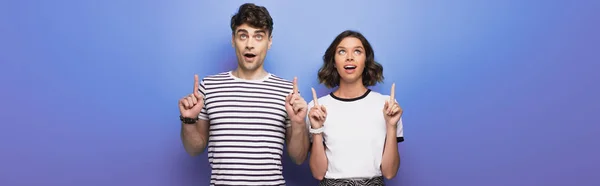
(350, 90)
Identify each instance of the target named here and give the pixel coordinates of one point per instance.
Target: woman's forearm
(391, 157)
(318, 159)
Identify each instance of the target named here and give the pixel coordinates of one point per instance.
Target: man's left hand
(295, 105)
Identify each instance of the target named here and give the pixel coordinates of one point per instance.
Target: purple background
(495, 93)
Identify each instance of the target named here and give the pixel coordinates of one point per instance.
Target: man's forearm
(298, 142)
(194, 138)
(391, 158)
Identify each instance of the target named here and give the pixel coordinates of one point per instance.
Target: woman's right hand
(317, 114)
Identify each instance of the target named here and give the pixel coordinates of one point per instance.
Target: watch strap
(188, 120)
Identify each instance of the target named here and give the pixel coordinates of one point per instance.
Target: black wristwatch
(187, 120)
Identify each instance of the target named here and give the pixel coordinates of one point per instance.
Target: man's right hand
(317, 113)
(191, 105)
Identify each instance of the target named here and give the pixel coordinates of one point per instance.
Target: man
(250, 112)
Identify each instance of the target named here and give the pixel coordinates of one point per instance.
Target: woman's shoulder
(378, 96)
(321, 100)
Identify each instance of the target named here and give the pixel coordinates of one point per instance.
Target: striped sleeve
(202, 89)
(288, 122)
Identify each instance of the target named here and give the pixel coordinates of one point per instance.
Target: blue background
(494, 92)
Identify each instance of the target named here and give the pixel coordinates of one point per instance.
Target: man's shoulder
(280, 79)
(278, 82)
(216, 76)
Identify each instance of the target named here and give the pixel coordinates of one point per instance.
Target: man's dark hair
(328, 75)
(255, 16)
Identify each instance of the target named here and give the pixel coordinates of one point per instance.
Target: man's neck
(350, 90)
(249, 75)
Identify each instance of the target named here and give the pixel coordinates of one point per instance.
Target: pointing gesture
(195, 91)
(295, 105)
(393, 92)
(318, 113)
(315, 99)
(191, 105)
(295, 83)
(391, 110)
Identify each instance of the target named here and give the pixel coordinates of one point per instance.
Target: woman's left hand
(392, 110)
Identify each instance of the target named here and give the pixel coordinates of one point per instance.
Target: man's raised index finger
(195, 84)
(295, 85)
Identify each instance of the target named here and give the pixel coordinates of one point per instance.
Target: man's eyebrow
(242, 30)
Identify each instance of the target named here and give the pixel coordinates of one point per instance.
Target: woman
(354, 131)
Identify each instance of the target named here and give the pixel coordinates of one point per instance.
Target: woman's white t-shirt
(354, 135)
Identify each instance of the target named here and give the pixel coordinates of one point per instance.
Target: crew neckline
(351, 99)
(230, 73)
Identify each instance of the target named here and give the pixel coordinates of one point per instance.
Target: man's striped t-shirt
(248, 123)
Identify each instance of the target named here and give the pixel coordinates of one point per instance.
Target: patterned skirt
(376, 181)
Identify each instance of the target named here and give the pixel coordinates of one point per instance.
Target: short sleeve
(400, 131)
(202, 89)
(308, 107)
(400, 126)
(288, 122)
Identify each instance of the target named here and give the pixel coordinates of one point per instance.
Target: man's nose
(249, 44)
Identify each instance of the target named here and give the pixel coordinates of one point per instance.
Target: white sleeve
(308, 107)
(400, 131)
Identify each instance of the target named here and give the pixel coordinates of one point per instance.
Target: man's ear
(232, 40)
(270, 42)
